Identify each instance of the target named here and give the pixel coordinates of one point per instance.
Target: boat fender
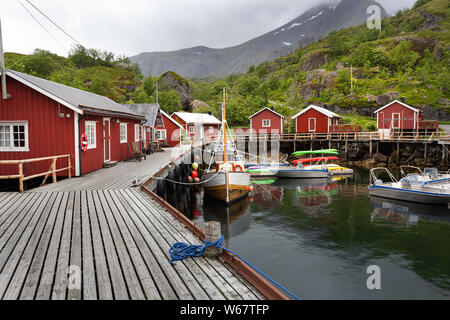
(84, 142)
(161, 188)
(171, 185)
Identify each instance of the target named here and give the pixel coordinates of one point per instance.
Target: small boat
(323, 151)
(300, 172)
(228, 182)
(410, 188)
(263, 171)
(334, 169)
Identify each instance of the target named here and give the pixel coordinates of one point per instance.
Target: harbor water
(318, 238)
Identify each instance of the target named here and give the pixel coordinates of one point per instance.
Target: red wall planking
(48, 134)
(302, 122)
(384, 117)
(276, 122)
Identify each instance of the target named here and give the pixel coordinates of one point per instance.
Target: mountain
(307, 28)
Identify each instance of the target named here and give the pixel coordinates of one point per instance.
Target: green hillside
(88, 69)
(410, 58)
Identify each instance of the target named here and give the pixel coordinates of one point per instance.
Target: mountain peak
(310, 26)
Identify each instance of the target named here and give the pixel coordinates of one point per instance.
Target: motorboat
(412, 188)
(301, 172)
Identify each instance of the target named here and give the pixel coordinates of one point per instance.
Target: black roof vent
(403, 99)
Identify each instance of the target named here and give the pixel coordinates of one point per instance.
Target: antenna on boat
(224, 121)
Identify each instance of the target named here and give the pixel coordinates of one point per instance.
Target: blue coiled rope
(180, 251)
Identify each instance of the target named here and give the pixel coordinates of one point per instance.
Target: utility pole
(157, 92)
(351, 79)
(2, 66)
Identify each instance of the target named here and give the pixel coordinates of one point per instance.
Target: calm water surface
(317, 239)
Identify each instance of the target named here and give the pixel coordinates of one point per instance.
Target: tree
(402, 57)
(169, 101)
(40, 63)
(139, 96)
(149, 86)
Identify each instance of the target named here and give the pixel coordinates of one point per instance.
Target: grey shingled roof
(73, 97)
(150, 111)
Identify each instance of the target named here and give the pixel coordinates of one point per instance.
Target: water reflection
(406, 213)
(317, 237)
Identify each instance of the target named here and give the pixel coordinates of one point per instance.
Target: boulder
(314, 61)
(386, 98)
(181, 85)
(378, 157)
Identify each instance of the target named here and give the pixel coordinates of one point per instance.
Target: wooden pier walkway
(103, 241)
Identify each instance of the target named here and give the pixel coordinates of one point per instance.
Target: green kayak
(325, 151)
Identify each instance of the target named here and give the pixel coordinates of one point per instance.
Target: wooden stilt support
(370, 150)
(397, 157)
(425, 154)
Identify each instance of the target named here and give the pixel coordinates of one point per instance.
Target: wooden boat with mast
(228, 182)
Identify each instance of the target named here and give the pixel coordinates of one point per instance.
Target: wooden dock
(97, 240)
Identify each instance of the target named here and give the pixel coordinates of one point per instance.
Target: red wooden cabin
(267, 121)
(170, 132)
(199, 125)
(398, 116)
(316, 119)
(152, 113)
(42, 118)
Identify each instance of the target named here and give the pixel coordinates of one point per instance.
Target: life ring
(240, 168)
(84, 142)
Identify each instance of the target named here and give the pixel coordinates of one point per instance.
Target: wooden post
(398, 152)
(212, 234)
(20, 176)
(425, 155)
(54, 170)
(346, 149)
(371, 149)
(70, 167)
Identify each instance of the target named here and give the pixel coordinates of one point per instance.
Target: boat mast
(224, 127)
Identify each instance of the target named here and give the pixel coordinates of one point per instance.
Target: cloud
(146, 25)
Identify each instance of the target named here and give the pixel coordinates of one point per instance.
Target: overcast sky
(133, 26)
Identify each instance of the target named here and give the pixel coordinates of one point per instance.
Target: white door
(106, 139)
(312, 124)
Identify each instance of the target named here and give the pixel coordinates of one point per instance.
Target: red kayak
(296, 162)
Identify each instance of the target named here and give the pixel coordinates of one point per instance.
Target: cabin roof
(266, 108)
(324, 111)
(197, 118)
(73, 98)
(399, 102)
(171, 119)
(151, 112)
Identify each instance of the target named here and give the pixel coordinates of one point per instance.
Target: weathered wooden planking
(117, 279)
(144, 276)
(89, 274)
(44, 290)
(180, 274)
(30, 247)
(188, 269)
(101, 266)
(39, 255)
(216, 271)
(75, 266)
(59, 291)
(146, 245)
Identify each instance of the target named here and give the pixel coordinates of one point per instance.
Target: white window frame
(92, 143)
(266, 125)
(123, 133)
(11, 124)
(137, 133)
(191, 129)
(211, 129)
(309, 124)
(158, 134)
(394, 119)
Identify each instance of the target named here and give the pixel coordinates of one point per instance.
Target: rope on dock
(187, 183)
(180, 251)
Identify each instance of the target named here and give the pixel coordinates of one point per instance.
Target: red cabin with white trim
(44, 118)
(198, 125)
(316, 119)
(267, 121)
(170, 132)
(398, 116)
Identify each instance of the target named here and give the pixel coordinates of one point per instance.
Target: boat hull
(216, 186)
(292, 173)
(410, 195)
